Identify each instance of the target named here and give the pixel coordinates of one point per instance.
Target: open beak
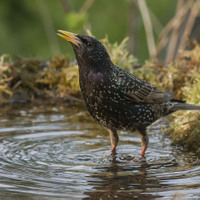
(71, 37)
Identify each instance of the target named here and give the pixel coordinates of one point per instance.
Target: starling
(115, 98)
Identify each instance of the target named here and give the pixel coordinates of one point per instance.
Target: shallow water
(58, 152)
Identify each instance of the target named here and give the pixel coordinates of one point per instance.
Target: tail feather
(184, 106)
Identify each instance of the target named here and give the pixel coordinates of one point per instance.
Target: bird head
(88, 50)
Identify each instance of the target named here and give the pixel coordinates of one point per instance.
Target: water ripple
(55, 155)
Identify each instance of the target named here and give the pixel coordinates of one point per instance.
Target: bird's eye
(89, 44)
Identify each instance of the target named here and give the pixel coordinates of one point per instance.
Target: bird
(115, 98)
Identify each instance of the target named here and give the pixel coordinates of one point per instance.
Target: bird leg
(113, 139)
(144, 140)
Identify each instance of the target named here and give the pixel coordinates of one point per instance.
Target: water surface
(58, 152)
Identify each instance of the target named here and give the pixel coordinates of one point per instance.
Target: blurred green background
(28, 28)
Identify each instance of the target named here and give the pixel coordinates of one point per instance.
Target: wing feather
(140, 91)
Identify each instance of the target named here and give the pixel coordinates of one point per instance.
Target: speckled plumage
(115, 98)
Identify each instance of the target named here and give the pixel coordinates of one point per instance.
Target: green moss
(50, 75)
(25, 73)
(185, 125)
(119, 54)
(5, 76)
(69, 82)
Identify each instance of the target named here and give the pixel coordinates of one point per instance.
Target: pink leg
(144, 140)
(144, 148)
(113, 139)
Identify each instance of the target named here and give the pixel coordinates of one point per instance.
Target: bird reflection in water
(122, 180)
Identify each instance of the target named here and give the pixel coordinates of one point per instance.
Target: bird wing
(140, 91)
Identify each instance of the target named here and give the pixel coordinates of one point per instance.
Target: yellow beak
(71, 37)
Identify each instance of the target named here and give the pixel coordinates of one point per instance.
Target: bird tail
(184, 106)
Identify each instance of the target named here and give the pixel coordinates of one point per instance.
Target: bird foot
(142, 159)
